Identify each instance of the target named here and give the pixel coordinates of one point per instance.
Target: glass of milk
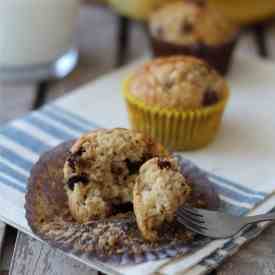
(36, 38)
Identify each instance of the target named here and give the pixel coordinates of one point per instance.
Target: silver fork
(217, 225)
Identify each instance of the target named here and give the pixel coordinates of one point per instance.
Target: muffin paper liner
(219, 56)
(48, 215)
(177, 130)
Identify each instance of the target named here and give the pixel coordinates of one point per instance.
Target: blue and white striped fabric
(24, 140)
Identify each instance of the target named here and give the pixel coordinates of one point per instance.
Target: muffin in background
(179, 101)
(193, 27)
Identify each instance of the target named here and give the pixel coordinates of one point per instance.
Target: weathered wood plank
(256, 258)
(2, 234)
(15, 101)
(7, 248)
(33, 257)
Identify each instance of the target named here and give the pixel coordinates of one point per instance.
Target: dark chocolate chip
(83, 178)
(133, 166)
(210, 97)
(122, 208)
(186, 27)
(164, 164)
(74, 158)
(80, 152)
(72, 162)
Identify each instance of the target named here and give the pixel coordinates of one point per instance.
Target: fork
(217, 225)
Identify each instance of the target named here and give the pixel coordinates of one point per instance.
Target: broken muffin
(101, 170)
(159, 190)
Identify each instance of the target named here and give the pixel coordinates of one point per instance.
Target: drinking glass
(36, 38)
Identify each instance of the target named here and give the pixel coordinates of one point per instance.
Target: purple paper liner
(49, 218)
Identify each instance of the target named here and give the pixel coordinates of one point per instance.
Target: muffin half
(159, 190)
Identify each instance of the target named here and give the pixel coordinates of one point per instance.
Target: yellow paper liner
(177, 130)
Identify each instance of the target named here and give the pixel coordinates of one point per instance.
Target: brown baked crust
(177, 82)
(49, 218)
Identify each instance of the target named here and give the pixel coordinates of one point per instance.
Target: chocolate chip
(122, 208)
(74, 158)
(133, 166)
(210, 97)
(80, 152)
(186, 27)
(72, 162)
(164, 164)
(83, 178)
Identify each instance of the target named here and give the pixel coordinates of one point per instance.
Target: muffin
(192, 27)
(159, 190)
(101, 170)
(179, 101)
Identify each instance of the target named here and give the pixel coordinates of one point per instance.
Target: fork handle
(261, 218)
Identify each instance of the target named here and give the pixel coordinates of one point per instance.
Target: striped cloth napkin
(24, 140)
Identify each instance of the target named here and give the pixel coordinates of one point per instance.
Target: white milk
(34, 32)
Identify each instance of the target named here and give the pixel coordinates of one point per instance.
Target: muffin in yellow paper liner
(177, 130)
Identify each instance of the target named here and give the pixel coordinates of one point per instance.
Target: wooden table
(31, 257)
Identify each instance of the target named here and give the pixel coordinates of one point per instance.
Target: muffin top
(159, 190)
(182, 83)
(101, 169)
(190, 22)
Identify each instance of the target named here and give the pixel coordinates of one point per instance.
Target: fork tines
(191, 219)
